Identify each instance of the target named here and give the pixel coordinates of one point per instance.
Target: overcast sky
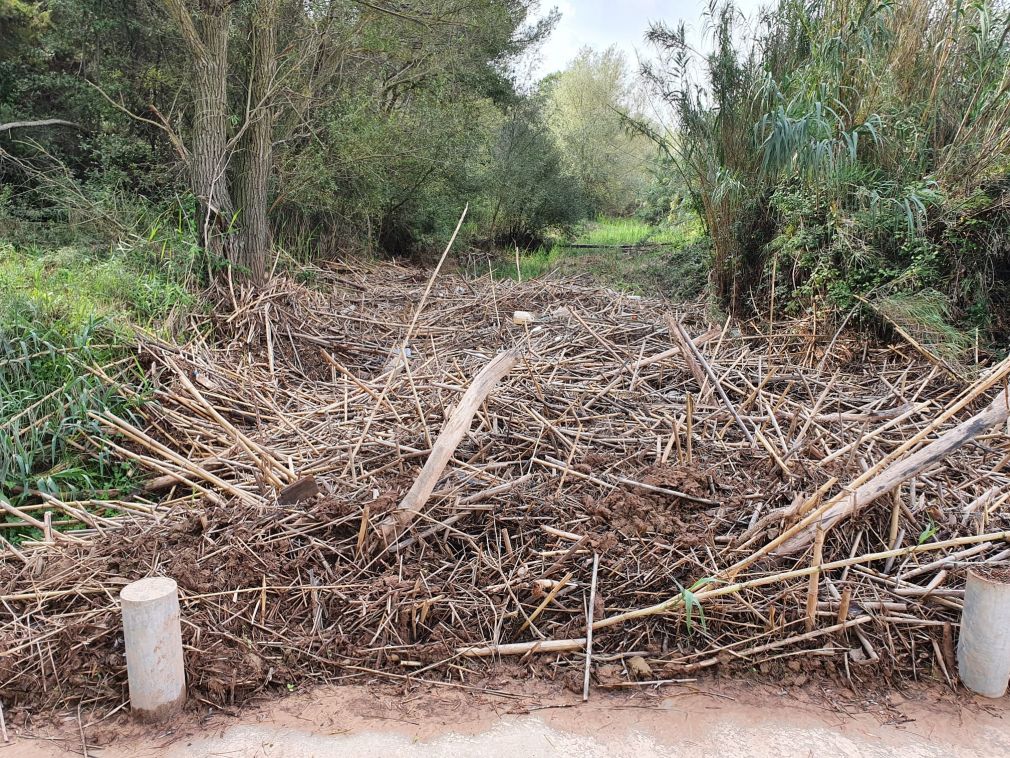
(602, 23)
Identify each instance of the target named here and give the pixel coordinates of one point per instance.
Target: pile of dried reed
(784, 498)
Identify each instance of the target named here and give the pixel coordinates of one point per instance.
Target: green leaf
(929, 532)
(692, 604)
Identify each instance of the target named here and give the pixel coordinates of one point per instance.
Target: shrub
(865, 146)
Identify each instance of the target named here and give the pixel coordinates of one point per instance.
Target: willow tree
(229, 174)
(377, 105)
(586, 108)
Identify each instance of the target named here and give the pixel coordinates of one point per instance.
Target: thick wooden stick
(458, 425)
(847, 503)
(38, 124)
(522, 648)
(813, 584)
(998, 375)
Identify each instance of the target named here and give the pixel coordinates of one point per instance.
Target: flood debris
(716, 470)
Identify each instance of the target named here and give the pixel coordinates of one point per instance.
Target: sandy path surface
(717, 719)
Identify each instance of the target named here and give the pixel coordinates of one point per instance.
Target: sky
(602, 23)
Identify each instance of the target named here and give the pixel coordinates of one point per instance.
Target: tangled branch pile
(700, 463)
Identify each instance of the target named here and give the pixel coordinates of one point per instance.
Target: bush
(66, 316)
(864, 146)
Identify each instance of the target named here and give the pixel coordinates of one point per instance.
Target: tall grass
(609, 231)
(864, 145)
(46, 394)
(63, 313)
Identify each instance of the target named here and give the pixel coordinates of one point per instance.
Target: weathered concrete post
(983, 648)
(153, 635)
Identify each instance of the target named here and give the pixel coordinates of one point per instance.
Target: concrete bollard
(983, 647)
(153, 635)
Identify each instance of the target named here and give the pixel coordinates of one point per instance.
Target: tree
(256, 157)
(528, 185)
(20, 23)
(206, 34)
(586, 103)
(308, 124)
(405, 62)
(400, 127)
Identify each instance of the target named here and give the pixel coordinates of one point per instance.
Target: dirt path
(711, 720)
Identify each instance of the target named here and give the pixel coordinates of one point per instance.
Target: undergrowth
(67, 315)
(628, 254)
(858, 149)
(627, 231)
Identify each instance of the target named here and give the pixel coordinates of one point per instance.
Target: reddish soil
(498, 717)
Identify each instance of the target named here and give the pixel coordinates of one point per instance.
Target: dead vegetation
(701, 463)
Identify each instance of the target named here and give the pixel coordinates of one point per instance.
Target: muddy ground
(704, 719)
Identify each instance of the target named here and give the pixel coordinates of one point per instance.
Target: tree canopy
(589, 104)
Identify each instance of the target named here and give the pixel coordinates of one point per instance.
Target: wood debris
(683, 454)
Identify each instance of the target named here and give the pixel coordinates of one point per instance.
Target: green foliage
(667, 197)
(528, 188)
(587, 105)
(626, 231)
(74, 285)
(388, 118)
(65, 313)
(110, 43)
(928, 533)
(423, 120)
(391, 119)
(691, 603)
(926, 316)
(20, 24)
(863, 146)
(674, 259)
(46, 399)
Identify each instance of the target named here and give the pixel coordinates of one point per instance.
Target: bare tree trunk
(207, 40)
(238, 231)
(209, 161)
(252, 182)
